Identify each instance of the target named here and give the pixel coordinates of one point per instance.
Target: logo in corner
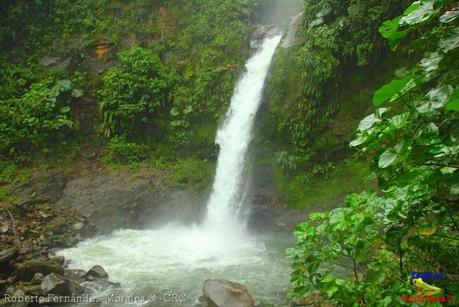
(424, 288)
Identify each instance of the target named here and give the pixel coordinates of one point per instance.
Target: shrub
(40, 117)
(5, 194)
(8, 171)
(132, 93)
(193, 172)
(15, 79)
(121, 152)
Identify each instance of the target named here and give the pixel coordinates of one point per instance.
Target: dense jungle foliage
(412, 224)
(155, 75)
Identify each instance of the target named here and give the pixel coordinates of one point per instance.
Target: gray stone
(96, 272)
(42, 188)
(224, 293)
(55, 284)
(48, 61)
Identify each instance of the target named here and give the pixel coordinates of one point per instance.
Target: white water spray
(234, 138)
(176, 258)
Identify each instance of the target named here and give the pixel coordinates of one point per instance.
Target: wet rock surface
(267, 211)
(96, 272)
(28, 270)
(30, 232)
(42, 187)
(224, 293)
(55, 284)
(126, 199)
(108, 200)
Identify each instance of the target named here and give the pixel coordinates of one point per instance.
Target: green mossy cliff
(319, 89)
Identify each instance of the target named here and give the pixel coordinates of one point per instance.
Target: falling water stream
(234, 137)
(176, 259)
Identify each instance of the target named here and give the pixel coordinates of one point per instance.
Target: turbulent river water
(170, 264)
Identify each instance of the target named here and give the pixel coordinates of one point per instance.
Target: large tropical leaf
(453, 102)
(392, 89)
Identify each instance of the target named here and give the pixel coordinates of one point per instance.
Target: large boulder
(27, 270)
(60, 285)
(96, 272)
(55, 284)
(224, 293)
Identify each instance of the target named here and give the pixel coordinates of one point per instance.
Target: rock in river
(55, 284)
(96, 272)
(224, 293)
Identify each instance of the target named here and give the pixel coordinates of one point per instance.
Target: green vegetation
(338, 58)
(7, 171)
(412, 226)
(159, 72)
(337, 40)
(325, 186)
(192, 172)
(119, 152)
(38, 117)
(132, 93)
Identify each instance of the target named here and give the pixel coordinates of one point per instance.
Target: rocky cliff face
(125, 199)
(118, 199)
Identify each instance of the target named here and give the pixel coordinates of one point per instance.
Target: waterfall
(178, 258)
(234, 137)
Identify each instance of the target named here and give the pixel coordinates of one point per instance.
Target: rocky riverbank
(30, 233)
(57, 208)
